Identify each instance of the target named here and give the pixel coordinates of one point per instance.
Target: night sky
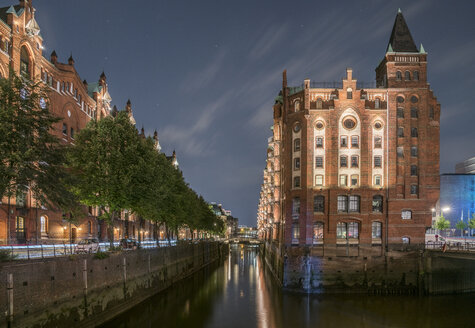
(205, 73)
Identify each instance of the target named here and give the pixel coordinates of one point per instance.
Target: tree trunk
(167, 232)
(110, 230)
(9, 239)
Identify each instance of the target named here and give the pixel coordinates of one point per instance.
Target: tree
(442, 223)
(471, 223)
(461, 226)
(105, 162)
(31, 157)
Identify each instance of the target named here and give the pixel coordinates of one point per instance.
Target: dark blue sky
(205, 73)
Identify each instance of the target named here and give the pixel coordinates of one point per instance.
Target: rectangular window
(414, 113)
(295, 233)
(354, 161)
(413, 170)
(400, 132)
(319, 162)
(319, 142)
(406, 215)
(341, 230)
(319, 204)
(431, 113)
(342, 204)
(65, 129)
(414, 133)
(377, 161)
(414, 152)
(376, 230)
(414, 189)
(343, 161)
(354, 180)
(400, 152)
(72, 133)
(297, 144)
(20, 199)
(317, 232)
(297, 182)
(377, 180)
(353, 231)
(378, 204)
(349, 95)
(354, 142)
(344, 141)
(343, 180)
(297, 163)
(319, 180)
(400, 112)
(378, 142)
(296, 206)
(354, 204)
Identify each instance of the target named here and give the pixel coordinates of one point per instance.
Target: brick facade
(389, 159)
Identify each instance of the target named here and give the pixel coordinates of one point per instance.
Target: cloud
(273, 36)
(202, 77)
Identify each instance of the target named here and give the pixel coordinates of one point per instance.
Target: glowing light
(446, 209)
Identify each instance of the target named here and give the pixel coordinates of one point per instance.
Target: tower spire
(401, 39)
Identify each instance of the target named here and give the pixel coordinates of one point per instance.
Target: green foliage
(31, 157)
(115, 249)
(471, 223)
(6, 255)
(100, 255)
(442, 223)
(461, 225)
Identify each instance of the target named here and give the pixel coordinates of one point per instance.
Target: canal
(241, 293)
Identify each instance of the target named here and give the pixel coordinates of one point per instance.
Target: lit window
(378, 141)
(319, 204)
(343, 161)
(297, 144)
(377, 161)
(354, 204)
(297, 163)
(353, 230)
(400, 151)
(341, 231)
(44, 224)
(295, 206)
(354, 180)
(319, 180)
(406, 215)
(377, 204)
(319, 142)
(342, 203)
(406, 240)
(317, 232)
(354, 142)
(376, 230)
(319, 162)
(354, 161)
(295, 233)
(343, 141)
(343, 180)
(297, 105)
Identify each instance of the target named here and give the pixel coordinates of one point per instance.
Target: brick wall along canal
(241, 293)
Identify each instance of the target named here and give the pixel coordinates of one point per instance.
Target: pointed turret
(54, 57)
(157, 143)
(422, 50)
(401, 39)
(85, 84)
(142, 132)
(128, 106)
(71, 60)
(114, 111)
(102, 79)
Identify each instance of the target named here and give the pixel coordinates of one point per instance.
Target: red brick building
(352, 163)
(76, 102)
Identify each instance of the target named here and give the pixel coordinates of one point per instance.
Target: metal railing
(22, 252)
(458, 246)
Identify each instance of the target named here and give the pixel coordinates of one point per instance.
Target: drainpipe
(387, 173)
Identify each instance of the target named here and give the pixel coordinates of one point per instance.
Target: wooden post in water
(9, 299)
(84, 279)
(149, 271)
(124, 269)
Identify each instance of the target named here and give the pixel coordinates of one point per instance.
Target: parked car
(127, 243)
(87, 246)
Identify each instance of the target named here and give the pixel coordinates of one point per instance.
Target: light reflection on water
(242, 293)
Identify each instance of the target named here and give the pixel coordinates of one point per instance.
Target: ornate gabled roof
(401, 39)
(32, 27)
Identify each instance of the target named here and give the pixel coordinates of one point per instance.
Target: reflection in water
(242, 293)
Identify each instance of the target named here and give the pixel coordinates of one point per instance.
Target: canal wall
(82, 291)
(360, 270)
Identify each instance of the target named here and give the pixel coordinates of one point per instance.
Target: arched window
(376, 230)
(317, 233)
(297, 105)
(25, 67)
(378, 204)
(398, 75)
(341, 231)
(44, 224)
(353, 230)
(407, 75)
(406, 240)
(349, 93)
(377, 103)
(297, 144)
(295, 233)
(416, 75)
(89, 227)
(319, 103)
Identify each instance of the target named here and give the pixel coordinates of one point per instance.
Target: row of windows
(345, 204)
(407, 76)
(414, 151)
(378, 140)
(354, 180)
(65, 131)
(344, 230)
(400, 132)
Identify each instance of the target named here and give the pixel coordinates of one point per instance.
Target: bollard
(42, 256)
(124, 269)
(28, 251)
(54, 250)
(9, 299)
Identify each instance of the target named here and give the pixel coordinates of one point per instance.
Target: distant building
(467, 166)
(230, 222)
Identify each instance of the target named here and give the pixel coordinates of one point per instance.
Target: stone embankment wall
(353, 270)
(81, 291)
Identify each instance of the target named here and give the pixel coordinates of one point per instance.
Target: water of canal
(241, 293)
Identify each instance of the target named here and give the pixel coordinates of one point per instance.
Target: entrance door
(20, 230)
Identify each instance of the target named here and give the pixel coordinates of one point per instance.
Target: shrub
(6, 255)
(100, 255)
